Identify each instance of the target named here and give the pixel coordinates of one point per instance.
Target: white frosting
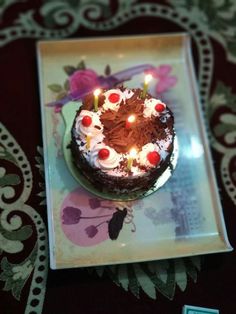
(164, 144)
(128, 93)
(142, 156)
(93, 129)
(111, 162)
(110, 105)
(149, 107)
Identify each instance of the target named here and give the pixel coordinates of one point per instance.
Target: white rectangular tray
(184, 217)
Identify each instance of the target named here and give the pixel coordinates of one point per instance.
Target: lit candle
(96, 93)
(130, 120)
(132, 155)
(148, 78)
(88, 141)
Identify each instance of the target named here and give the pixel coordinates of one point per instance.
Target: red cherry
(160, 107)
(154, 158)
(86, 121)
(114, 98)
(103, 153)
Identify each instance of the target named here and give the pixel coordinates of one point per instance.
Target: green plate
(68, 113)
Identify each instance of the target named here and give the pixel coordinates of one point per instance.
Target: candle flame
(131, 118)
(97, 92)
(133, 152)
(148, 78)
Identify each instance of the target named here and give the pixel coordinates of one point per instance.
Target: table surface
(27, 285)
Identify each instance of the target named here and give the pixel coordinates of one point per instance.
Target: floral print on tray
(82, 80)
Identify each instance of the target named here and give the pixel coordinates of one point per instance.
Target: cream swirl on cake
(113, 98)
(91, 126)
(153, 107)
(104, 157)
(149, 156)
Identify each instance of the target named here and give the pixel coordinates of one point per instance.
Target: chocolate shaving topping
(142, 131)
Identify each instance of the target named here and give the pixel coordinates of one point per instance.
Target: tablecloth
(27, 285)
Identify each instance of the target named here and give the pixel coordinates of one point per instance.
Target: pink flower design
(71, 215)
(83, 81)
(165, 80)
(91, 231)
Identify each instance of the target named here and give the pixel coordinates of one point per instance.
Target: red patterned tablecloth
(27, 285)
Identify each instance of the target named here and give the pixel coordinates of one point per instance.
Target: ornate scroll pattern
(222, 108)
(15, 188)
(59, 20)
(218, 20)
(201, 20)
(163, 276)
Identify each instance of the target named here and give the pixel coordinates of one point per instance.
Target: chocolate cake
(124, 143)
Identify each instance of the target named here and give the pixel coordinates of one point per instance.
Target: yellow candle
(132, 155)
(148, 78)
(88, 141)
(96, 93)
